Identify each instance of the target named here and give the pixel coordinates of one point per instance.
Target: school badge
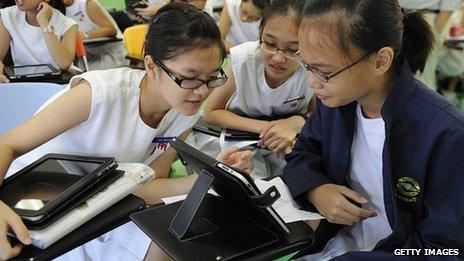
(407, 189)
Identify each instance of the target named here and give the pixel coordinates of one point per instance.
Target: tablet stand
(185, 226)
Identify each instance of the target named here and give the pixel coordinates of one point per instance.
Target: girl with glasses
(381, 158)
(129, 114)
(266, 83)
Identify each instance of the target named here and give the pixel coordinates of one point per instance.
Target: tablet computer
(237, 135)
(234, 186)
(47, 185)
(31, 71)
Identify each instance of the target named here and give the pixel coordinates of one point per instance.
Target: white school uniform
(113, 129)
(254, 98)
(240, 32)
(99, 56)
(28, 44)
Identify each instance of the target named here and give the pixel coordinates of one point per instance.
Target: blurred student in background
(95, 22)
(37, 32)
(437, 13)
(239, 21)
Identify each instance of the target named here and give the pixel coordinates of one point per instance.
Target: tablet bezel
(75, 190)
(9, 71)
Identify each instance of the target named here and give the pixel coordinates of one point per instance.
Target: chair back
(134, 38)
(19, 101)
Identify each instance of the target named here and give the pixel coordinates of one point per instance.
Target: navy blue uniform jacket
(423, 166)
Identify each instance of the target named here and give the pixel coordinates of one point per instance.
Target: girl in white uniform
(95, 22)
(266, 83)
(130, 115)
(239, 21)
(37, 33)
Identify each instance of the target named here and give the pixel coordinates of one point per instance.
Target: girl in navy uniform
(381, 158)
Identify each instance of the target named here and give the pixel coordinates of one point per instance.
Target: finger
(274, 141)
(4, 79)
(226, 155)
(347, 217)
(5, 247)
(19, 229)
(272, 132)
(340, 220)
(283, 147)
(288, 150)
(359, 212)
(353, 195)
(265, 129)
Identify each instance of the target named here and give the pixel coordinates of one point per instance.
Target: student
(438, 14)
(381, 158)
(131, 114)
(37, 33)
(152, 8)
(265, 82)
(95, 22)
(239, 21)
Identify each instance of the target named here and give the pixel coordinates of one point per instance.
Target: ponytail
(418, 41)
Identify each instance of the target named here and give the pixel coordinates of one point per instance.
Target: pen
(295, 99)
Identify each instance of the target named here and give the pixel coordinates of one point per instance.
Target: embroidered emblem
(407, 189)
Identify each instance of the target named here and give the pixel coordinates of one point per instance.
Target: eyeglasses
(194, 83)
(272, 49)
(325, 76)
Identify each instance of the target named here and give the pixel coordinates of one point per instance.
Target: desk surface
(101, 40)
(111, 218)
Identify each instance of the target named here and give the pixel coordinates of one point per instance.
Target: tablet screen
(28, 70)
(35, 188)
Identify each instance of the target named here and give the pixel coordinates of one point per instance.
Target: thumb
(20, 231)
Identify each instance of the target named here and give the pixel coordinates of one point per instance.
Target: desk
(100, 41)
(106, 221)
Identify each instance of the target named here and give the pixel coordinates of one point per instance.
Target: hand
(9, 219)
(3, 79)
(148, 11)
(332, 202)
(279, 136)
(44, 14)
(233, 157)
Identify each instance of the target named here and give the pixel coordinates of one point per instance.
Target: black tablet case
(204, 227)
(220, 232)
(71, 197)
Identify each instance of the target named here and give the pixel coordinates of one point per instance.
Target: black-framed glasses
(272, 49)
(190, 84)
(325, 76)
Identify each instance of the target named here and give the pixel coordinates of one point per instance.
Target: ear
(383, 60)
(149, 66)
